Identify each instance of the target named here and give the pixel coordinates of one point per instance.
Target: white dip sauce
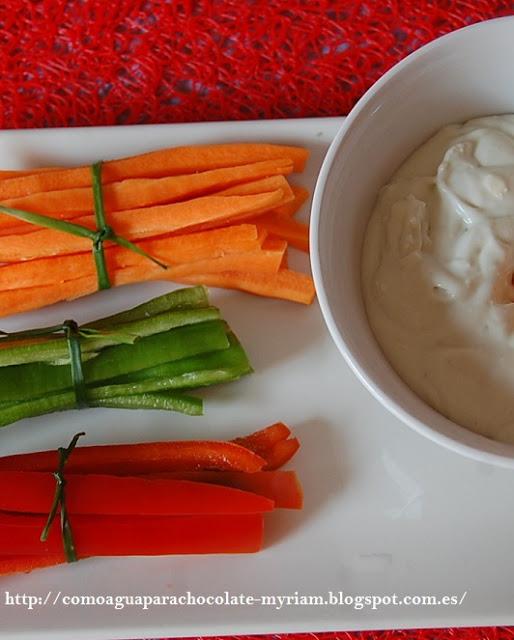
(437, 274)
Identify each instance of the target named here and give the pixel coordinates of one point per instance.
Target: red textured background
(489, 633)
(85, 62)
(104, 62)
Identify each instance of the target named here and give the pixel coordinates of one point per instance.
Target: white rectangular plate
(386, 510)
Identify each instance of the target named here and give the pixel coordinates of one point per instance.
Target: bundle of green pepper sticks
(148, 357)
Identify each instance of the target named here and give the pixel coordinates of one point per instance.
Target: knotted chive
(104, 231)
(60, 501)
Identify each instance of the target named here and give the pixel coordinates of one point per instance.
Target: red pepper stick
(150, 457)
(283, 487)
(263, 440)
(272, 444)
(281, 453)
(145, 535)
(32, 492)
(25, 564)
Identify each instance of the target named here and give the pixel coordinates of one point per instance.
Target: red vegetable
(272, 444)
(158, 498)
(283, 487)
(281, 453)
(129, 536)
(137, 459)
(33, 492)
(26, 564)
(262, 441)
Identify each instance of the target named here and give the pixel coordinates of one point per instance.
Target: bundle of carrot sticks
(220, 215)
(154, 498)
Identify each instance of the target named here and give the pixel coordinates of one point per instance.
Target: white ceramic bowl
(465, 74)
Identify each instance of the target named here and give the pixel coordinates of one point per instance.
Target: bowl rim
(505, 460)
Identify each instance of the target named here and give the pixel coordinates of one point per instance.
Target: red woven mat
(489, 633)
(102, 62)
(85, 62)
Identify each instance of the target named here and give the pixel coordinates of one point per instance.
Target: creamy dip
(438, 262)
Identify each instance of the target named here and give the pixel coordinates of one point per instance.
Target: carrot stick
(266, 260)
(134, 224)
(94, 494)
(252, 187)
(286, 284)
(18, 173)
(300, 194)
(173, 251)
(258, 187)
(212, 243)
(15, 228)
(244, 217)
(296, 233)
(142, 192)
(264, 185)
(142, 458)
(262, 234)
(271, 243)
(155, 164)
(21, 300)
(126, 535)
(18, 300)
(283, 487)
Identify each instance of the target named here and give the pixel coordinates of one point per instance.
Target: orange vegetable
(285, 284)
(142, 192)
(16, 300)
(185, 206)
(296, 233)
(261, 185)
(135, 224)
(299, 194)
(287, 196)
(215, 243)
(265, 260)
(20, 300)
(18, 173)
(155, 164)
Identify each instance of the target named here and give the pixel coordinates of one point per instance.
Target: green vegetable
(66, 401)
(190, 298)
(233, 359)
(180, 343)
(56, 348)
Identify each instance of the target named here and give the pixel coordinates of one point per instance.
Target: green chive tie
(60, 501)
